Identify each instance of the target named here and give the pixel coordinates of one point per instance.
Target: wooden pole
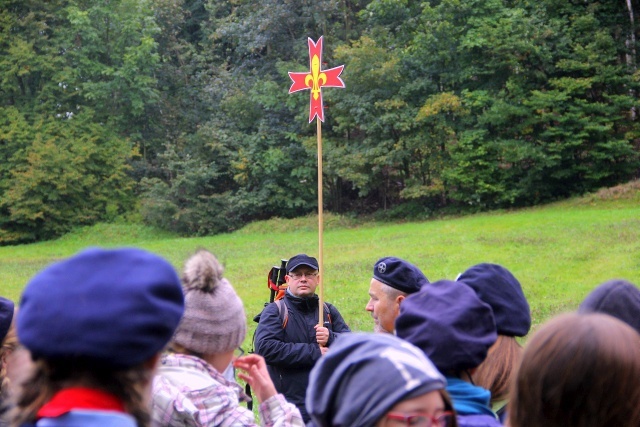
(320, 223)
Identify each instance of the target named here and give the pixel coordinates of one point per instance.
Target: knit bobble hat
(496, 286)
(363, 376)
(449, 323)
(399, 274)
(617, 298)
(214, 320)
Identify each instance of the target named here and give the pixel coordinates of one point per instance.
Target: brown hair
(579, 371)
(448, 407)
(497, 371)
(51, 376)
(9, 344)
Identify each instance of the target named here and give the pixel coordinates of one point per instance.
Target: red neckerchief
(79, 398)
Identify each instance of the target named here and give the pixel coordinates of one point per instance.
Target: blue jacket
(88, 418)
(472, 404)
(291, 352)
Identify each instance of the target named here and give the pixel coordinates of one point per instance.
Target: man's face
(302, 281)
(383, 308)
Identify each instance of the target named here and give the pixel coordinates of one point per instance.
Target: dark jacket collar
(302, 304)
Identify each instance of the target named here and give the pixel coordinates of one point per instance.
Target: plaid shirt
(187, 391)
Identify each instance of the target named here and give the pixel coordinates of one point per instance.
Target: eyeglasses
(238, 352)
(418, 419)
(308, 275)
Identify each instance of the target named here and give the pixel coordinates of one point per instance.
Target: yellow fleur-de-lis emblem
(315, 77)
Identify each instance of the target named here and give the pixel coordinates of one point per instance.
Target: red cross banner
(316, 79)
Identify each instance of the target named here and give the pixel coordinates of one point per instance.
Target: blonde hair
(498, 369)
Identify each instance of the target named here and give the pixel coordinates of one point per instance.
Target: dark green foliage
(72, 172)
(181, 107)
(546, 99)
(74, 79)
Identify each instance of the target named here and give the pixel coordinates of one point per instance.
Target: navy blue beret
(399, 274)
(496, 286)
(449, 322)
(363, 376)
(118, 307)
(6, 316)
(301, 259)
(617, 298)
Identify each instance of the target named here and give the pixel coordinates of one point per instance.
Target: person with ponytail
(498, 287)
(190, 388)
(95, 325)
(455, 329)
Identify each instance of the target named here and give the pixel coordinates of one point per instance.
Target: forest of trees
(178, 112)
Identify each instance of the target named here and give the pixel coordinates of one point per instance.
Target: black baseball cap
(302, 259)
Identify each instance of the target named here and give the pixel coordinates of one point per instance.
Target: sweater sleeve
(277, 412)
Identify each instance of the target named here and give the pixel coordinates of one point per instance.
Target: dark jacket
(292, 351)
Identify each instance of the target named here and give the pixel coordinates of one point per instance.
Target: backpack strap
(327, 313)
(282, 306)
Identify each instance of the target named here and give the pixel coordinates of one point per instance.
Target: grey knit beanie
(214, 320)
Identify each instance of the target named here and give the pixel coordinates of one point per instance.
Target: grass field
(559, 252)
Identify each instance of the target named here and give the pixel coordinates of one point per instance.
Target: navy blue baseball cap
(496, 286)
(302, 259)
(617, 298)
(6, 316)
(363, 376)
(450, 323)
(399, 274)
(118, 307)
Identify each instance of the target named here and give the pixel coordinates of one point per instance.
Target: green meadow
(559, 252)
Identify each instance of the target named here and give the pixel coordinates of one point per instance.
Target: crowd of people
(116, 338)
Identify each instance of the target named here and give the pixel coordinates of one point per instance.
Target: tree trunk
(631, 49)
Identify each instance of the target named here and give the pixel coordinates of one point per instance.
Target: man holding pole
(293, 333)
(289, 335)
